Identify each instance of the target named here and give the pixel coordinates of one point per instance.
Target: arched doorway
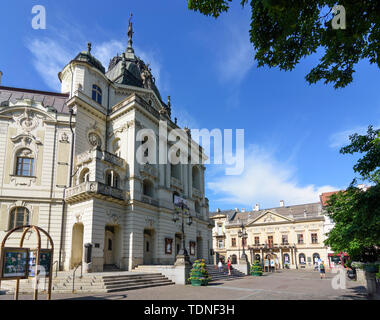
(112, 246)
(76, 245)
(148, 246)
(316, 258)
(257, 257)
(234, 259)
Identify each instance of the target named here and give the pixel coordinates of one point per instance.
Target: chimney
(257, 207)
(282, 203)
(1, 74)
(242, 209)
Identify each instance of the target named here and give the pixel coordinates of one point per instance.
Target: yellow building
(283, 237)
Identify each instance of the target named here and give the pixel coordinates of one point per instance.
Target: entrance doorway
(109, 239)
(148, 246)
(76, 245)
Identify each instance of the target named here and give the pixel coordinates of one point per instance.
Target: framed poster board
(14, 263)
(192, 248)
(168, 246)
(46, 258)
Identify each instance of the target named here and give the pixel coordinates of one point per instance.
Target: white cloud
(49, 57)
(264, 180)
(341, 138)
(237, 56)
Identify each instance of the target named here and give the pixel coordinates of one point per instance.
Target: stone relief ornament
(94, 140)
(64, 137)
(113, 218)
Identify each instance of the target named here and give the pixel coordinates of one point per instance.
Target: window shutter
(34, 220)
(3, 218)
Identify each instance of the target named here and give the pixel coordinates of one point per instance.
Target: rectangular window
(284, 239)
(220, 230)
(233, 242)
(314, 238)
(300, 238)
(220, 244)
(270, 241)
(25, 167)
(257, 240)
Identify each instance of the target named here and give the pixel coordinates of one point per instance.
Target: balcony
(91, 189)
(149, 170)
(197, 193)
(176, 183)
(219, 234)
(88, 156)
(149, 200)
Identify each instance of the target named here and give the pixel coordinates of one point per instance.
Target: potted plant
(256, 269)
(199, 273)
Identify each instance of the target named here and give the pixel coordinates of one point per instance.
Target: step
(132, 284)
(109, 282)
(121, 288)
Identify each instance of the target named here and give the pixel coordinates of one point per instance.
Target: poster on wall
(45, 262)
(14, 263)
(168, 246)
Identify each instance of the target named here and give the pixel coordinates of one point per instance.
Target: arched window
(24, 163)
(257, 257)
(196, 178)
(302, 258)
(148, 188)
(84, 175)
(96, 94)
(286, 258)
(112, 179)
(233, 259)
(18, 217)
(197, 207)
(316, 257)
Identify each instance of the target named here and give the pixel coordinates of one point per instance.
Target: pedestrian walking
(229, 266)
(322, 270)
(220, 266)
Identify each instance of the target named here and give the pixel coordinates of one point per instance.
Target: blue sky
(293, 131)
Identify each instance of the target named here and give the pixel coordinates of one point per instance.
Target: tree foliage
(356, 212)
(285, 31)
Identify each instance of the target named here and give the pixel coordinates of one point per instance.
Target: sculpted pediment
(270, 217)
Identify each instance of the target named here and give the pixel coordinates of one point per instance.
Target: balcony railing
(89, 188)
(176, 183)
(197, 193)
(149, 200)
(149, 170)
(88, 156)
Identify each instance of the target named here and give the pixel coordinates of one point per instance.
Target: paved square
(282, 285)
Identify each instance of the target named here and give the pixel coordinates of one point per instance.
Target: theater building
(68, 164)
(281, 237)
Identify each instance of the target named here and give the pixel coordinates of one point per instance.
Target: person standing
(220, 266)
(322, 270)
(229, 266)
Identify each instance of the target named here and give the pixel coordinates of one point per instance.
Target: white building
(120, 206)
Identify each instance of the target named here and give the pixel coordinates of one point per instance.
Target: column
(282, 260)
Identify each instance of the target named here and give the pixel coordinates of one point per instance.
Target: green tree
(356, 212)
(285, 31)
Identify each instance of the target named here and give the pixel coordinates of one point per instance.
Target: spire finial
(130, 34)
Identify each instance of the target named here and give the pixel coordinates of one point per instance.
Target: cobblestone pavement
(282, 285)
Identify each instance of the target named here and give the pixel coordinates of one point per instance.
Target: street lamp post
(181, 205)
(243, 235)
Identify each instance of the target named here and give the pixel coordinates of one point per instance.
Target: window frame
(314, 238)
(21, 166)
(12, 223)
(97, 94)
(300, 239)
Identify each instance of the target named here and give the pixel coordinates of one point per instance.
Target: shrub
(199, 271)
(256, 268)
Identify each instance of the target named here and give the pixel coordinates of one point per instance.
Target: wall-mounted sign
(14, 263)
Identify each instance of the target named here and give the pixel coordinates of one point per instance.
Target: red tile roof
(325, 196)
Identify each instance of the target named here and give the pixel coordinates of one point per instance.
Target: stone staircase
(216, 275)
(91, 282)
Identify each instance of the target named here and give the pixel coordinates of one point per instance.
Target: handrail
(56, 269)
(81, 273)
